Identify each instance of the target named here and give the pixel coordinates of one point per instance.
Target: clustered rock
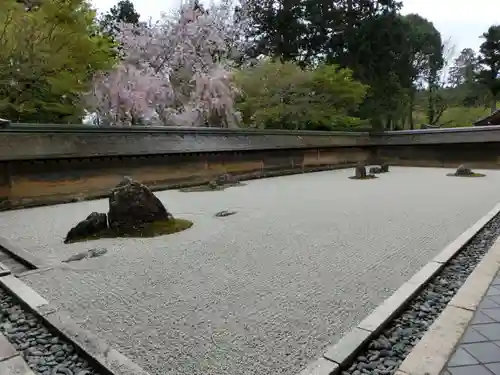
(463, 171)
(384, 354)
(360, 171)
(384, 168)
(44, 352)
(131, 204)
(222, 180)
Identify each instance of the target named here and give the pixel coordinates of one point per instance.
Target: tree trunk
(411, 105)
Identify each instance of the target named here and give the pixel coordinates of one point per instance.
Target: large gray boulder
(132, 204)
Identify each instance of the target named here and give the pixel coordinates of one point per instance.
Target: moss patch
(208, 187)
(155, 229)
(474, 174)
(368, 177)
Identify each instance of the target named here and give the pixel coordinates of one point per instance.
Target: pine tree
(490, 63)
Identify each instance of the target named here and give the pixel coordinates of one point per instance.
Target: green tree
(426, 61)
(382, 63)
(284, 96)
(308, 31)
(47, 57)
(464, 69)
(464, 88)
(124, 11)
(276, 29)
(489, 59)
(332, 28)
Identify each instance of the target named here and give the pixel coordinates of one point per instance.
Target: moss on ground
(155, 229)
(368, 177)
(474, 174)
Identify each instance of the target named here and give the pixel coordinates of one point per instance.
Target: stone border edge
(11, 361)
(21, 254)
(97, 350)
(340, 354)
(432, 352)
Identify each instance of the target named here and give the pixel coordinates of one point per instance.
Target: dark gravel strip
(384, 354)
(46, 353)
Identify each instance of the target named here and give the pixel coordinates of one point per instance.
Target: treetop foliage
(47, 56)
(293, 64)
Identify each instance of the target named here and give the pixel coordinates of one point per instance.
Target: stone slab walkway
(478, 352)
(11, 362)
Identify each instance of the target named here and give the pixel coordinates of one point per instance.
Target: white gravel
(263, 291)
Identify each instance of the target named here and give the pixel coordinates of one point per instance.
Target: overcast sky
(460, 21)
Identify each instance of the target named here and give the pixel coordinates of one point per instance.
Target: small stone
(34, 352)
(56, 348)
(390, 363)
(386, 353)
(23, 346)
(63, 371)
(14, 317)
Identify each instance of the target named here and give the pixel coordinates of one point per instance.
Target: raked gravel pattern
(385, 353)
(266, 290)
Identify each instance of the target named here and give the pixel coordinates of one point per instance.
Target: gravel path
(262, 291)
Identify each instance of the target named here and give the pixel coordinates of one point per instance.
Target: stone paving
(11, 362)
(478, 352)
(266, 290)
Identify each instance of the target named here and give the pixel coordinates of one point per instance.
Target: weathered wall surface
(474, 155)
(60, 180)
(478, 147)
(50, 165)
(21, 143)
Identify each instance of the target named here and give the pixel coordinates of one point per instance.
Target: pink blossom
(175, 72)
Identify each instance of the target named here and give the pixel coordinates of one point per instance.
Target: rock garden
(134, 211)
(463, 171)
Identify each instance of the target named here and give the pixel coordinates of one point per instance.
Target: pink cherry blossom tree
(175, 72)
